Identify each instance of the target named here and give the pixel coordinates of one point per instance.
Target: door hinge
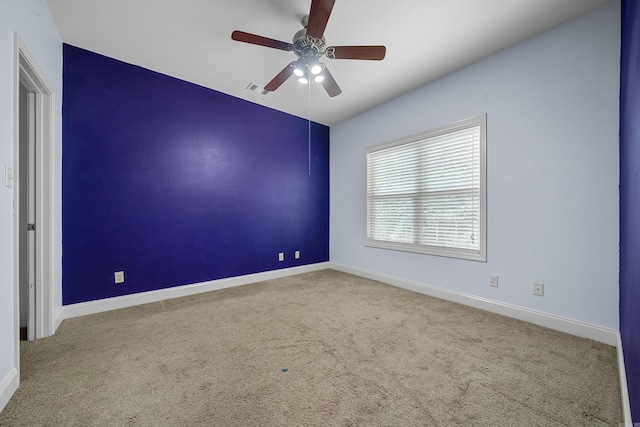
(31, 227)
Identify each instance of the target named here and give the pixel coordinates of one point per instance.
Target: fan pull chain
(309, 124)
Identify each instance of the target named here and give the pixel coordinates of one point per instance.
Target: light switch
(8, 177)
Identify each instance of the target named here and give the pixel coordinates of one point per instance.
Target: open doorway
(33, 142)
(26, 208)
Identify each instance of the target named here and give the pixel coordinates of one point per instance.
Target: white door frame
(27, 72)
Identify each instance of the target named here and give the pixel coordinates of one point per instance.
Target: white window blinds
(426, 194)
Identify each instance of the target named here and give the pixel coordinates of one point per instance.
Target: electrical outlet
(538, 289)
(118, 277)
(281, 256)
(297, 254)
(493, 280)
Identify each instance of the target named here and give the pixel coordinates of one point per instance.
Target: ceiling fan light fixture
(303, 80)
(299, 68)
(314, 66)
(318, 78)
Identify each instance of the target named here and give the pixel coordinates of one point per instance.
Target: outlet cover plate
(538, 289)
(493, 280)
(118, 276)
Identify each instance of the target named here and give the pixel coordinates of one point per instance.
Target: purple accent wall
(630, 200)
(175, 184)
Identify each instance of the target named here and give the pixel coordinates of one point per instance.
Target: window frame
(445, 251)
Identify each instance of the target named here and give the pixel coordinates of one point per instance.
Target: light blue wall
(32, 21)
(552, 138)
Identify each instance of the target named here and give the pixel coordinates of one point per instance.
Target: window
(426, 193)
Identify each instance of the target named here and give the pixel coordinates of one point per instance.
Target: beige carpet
(318, 349)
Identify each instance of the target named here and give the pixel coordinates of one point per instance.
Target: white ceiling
(191, 40)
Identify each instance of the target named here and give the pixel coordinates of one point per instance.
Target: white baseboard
(626, 404)
(57, 319)
(8, 387)
(562, 324)
(92, 307)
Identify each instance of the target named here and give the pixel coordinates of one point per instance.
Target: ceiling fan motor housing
(306, 46)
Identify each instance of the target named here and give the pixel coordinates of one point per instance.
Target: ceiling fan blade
(280, 78)
(374, 53)
(330, 84)
(318, 17)
(241, 36)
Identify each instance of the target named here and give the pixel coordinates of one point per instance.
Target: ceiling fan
(309, 46)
